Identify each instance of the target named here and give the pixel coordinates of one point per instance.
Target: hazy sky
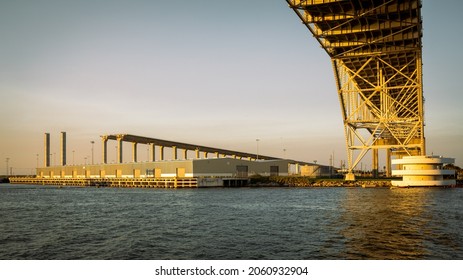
(207, 72)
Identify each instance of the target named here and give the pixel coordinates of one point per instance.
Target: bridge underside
(375, 48)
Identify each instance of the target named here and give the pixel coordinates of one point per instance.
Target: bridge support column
(205, 154)
(119, 149)
(217, 155)
(174, 152)
(134, 152)
(104, 141)
(161, 152)
(185, 154)
(152, 152)
(197, 154)
(350, 177)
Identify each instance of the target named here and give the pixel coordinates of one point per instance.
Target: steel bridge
(375, 49)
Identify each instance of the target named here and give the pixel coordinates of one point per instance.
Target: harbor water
(48, 222)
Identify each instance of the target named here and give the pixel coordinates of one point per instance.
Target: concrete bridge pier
(119, 148)
(161, 152)
(174, 152)
(185, 154)
(152, 152)
(104, 140)
(134, 152)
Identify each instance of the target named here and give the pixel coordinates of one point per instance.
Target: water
(43, 222)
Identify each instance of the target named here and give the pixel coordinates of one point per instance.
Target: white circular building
(422, 171)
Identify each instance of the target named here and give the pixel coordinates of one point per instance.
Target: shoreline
(318, 183)
(329, 182)
(255, 181)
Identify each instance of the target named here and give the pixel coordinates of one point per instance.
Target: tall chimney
(63, 148)
(47, 150)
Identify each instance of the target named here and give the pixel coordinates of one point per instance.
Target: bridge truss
(375, 48)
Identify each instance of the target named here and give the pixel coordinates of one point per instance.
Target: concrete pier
(174, 152)
(111, 182)
(185, 154)
(152, 156)
(161, 152)
(134, 152)
(427, 171)
(104, 140)
(119, 149)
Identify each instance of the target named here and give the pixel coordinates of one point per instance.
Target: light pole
(37, 155)
(73, 157)
(257, 153)
(93, 142)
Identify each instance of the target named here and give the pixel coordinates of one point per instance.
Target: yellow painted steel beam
(375, 48)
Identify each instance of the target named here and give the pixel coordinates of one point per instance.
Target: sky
(206, 72)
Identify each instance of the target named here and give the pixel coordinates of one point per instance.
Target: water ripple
(247, 223)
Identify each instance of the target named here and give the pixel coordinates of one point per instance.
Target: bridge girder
(376, 51)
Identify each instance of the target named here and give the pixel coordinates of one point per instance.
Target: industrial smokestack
(63, 148)
(47, 150)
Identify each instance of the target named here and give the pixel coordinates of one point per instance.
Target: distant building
(214, 169)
